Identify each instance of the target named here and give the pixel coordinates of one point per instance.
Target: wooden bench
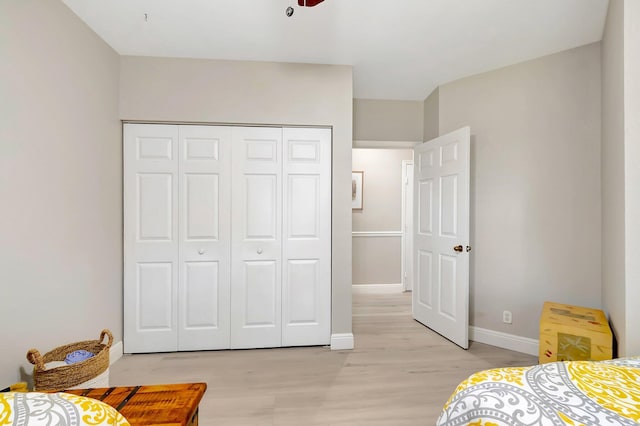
(152, 405)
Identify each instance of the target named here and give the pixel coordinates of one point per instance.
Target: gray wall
(377, 259)
(60, 180)
(535, 185)
(169, 89)
(431, 123)
(620, 173)
(384, 120)
(632, 167)
(613, 175)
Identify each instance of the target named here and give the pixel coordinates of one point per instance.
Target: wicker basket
(67, 376)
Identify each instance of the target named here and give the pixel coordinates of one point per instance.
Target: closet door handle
(259, 251)
(201, 251)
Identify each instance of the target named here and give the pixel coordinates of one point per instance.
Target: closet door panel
(154, 206)
(256, 238)
(304, 206)
(150, 238)
(306, 303)
(201, 290)
(261, 209)
(154, 284)
(205, 237)
(202, 192)
(260, 307)
(303, 280)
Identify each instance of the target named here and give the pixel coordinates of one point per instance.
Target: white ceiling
(399, 49)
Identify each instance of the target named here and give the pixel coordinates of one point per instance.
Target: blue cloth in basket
(77, 356)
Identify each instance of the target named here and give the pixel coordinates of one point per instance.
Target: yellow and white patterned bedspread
(56, 409)
(560, 393)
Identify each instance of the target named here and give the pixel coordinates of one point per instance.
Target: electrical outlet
(506, 317)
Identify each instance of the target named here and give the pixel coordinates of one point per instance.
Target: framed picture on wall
(357, 180)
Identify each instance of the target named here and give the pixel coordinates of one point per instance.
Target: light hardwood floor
(400, 373)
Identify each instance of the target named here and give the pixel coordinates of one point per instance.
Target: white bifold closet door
(176, 248)
(227, 237)
(281, 237)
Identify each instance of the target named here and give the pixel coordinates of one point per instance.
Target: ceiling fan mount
(309, 3)
(303, 3)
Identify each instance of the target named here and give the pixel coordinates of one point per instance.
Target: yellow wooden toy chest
(569, 333)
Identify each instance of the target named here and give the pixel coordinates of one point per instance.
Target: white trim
(407, 229)
(377, 288)
(341, 341)
(376, 234)
(385, 144)
(512, 342)
(115, 352)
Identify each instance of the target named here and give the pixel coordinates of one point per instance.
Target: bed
(558, 393)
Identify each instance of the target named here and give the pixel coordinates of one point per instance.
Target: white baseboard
(504, 340)
(342, 341)
(377, 288)
(115, 352)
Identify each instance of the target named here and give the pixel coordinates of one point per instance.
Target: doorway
(379, 221)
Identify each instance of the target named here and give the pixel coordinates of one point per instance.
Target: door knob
(458, 249)
(259, 251)
(201, 251)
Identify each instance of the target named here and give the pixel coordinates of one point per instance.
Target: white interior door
(205, 237)
(256, 246)
(441, 235)
(407, 225)
(150, 234)
(306, 275)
